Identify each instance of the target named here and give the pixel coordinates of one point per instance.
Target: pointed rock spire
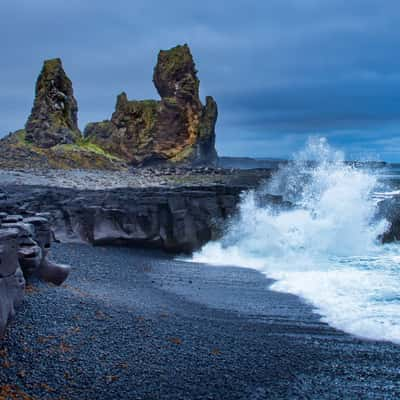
(176, 130)
(54, 116)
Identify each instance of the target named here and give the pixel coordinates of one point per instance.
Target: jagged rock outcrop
(54, 116)
(51, 138)
(24, 246)
(177, 129)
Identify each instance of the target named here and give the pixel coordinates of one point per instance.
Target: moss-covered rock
(175, 75)
(178, 129)
(54, 116)
(16, 152)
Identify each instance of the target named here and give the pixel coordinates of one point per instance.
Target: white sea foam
(325, 248)
(386, 195)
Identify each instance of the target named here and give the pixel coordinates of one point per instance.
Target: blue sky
(280, 70)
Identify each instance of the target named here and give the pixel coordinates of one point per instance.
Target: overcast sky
(280, 70)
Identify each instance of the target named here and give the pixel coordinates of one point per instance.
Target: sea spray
(324, 247)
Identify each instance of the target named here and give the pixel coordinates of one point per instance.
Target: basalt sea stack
(54, 116)
(51, 138)
(177, 129)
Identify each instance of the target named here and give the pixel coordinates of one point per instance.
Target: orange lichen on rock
(176, 129)
(12, 392)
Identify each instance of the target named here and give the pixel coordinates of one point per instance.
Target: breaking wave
(321, 244)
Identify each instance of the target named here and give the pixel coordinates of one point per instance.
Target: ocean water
(324, 249)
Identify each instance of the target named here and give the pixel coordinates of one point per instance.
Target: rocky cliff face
(177, 129)
(54, 116)
(176, 220)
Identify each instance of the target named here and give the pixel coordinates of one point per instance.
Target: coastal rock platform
(177, 211)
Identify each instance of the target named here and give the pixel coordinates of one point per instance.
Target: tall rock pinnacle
(175, 75)
(53, 119)
(178, 129)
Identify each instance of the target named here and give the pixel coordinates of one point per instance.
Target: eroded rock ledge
(175, 219)
(171, 209)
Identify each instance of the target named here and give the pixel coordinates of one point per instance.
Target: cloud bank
(280, 70)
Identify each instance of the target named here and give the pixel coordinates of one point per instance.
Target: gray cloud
(279, 69)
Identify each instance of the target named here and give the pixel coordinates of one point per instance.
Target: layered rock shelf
(175, 219)
(24, 246)
(171, 209)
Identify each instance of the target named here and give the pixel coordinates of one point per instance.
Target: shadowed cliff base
(177, 210)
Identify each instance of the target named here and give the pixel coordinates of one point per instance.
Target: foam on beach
(325, 248)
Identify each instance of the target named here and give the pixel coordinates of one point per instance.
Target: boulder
(43, 233)
(53, 273)
(8, 252)
(29, 252)
(178, 129)
(12, 282)
(54, 116)
(11, 295)
(390, 210)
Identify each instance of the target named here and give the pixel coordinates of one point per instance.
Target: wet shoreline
(138, 324)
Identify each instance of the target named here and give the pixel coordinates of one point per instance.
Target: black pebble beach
(136, 324)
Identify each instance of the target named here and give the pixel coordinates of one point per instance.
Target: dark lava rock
(54, 116)
(174, 219)
(12, 282)
(43, 233)
(54, 273)
(390, 209)
(179, 219)
(177, 129)
(8, 250)
(24, 245)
